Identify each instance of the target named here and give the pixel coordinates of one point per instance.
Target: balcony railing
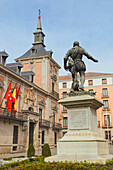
(57, 126)
(65, 126)
(18, 116)
(105, 108)
(44, 123)
(107, 126)
(105, 95)
(55, 94)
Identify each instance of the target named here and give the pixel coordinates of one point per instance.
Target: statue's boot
(71, 90)
(81, 88)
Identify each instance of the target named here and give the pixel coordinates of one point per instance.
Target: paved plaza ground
(54, 152)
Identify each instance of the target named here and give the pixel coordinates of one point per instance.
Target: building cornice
(21, 80)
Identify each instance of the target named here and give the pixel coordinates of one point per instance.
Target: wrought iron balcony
(105, 108)
(18, 116)
(65, 127)
(107, 126)
(56, 126)
(44, 123)
(55, 94)
(105, 95)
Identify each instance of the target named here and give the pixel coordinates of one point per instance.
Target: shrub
(46, 150)
(31, 151)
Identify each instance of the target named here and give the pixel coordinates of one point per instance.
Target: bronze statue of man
(76, 65)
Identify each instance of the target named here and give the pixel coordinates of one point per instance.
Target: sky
(63, 21)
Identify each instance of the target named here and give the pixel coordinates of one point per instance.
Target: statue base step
(74, 159)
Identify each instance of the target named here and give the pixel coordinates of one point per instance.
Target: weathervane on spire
(39, 14)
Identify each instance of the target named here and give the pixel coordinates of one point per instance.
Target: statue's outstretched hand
(95, 60)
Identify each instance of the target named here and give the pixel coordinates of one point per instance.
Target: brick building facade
(37, 119)
(102, 84)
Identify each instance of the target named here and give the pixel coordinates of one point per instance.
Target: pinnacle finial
(39, 14)
(39, 22)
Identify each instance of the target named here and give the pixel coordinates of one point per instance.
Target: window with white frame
(64, 85)
(106, 104)
(104, 92)
(106, 119)
(64, 95)
(108, 135)
(40, 114)
(104, 81)
(65, 122)
(90, 82)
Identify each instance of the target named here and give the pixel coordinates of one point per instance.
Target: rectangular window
(14, 148)
(64, 95)
(43, 134)
(64, 85)
(104, 92)
(55, 138)
(40, 114)
(104, 81)
(64, 109)
(106, 120)
(15, 135)
(53, 119)
(108, 135)
(31, 132)
(65, 122)
(106, 104)
(53, 87)
(90, 82)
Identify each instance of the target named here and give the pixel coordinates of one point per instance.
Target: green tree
(31, 151)
(46, 150)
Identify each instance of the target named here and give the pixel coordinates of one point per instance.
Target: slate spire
(39, 22)
(39, 35)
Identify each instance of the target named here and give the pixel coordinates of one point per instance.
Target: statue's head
(76, 43)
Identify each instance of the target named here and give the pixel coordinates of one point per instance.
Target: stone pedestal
(82, 141)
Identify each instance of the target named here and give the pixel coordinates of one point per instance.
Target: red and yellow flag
(8, 97)
(14, 99)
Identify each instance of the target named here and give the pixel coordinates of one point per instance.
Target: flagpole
(5, 93)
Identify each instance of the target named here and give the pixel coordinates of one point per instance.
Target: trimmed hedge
(31, 151)
(10, 158)
(46, 150)
(38, 163)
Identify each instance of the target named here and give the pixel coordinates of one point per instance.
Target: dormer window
(33, 50)
(3, 56)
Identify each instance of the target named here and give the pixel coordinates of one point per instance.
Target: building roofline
(94, 75)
